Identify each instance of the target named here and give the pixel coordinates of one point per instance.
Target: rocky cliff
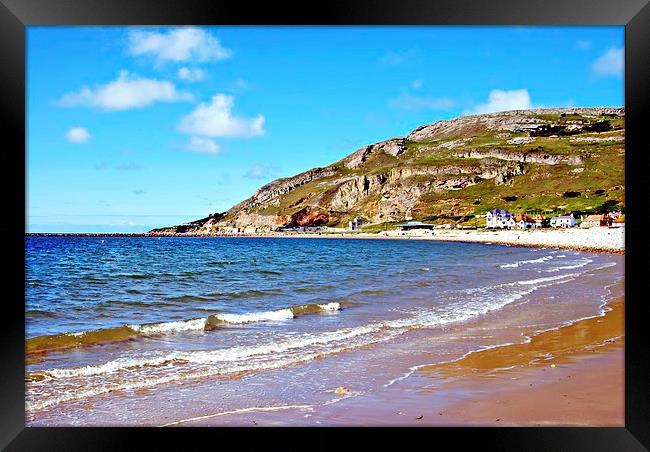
(521, 160)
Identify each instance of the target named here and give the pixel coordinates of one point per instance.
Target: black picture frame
(16, 15)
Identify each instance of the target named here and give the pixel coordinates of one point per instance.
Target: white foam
(531, 261)
(85, 391)
(170, 327)
(108, 367)
(334, 306)
(406, 374)
(543, 280)
(281, 314)
(570, 267)
(231, 354)
(243, 410)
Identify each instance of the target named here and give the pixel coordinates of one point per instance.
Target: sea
(154, 330)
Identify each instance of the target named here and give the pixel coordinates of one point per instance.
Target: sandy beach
(571, 376)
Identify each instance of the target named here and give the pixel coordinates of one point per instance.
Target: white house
(499, 218)
(563, 221)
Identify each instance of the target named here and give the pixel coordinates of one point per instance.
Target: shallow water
(234, 323)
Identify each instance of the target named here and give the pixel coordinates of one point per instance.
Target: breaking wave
(531, 261)
(49, 343)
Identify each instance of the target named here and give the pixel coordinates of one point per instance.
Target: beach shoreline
(579, 382)
(594, 240)
(483, 370)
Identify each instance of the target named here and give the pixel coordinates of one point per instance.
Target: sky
(131, 128)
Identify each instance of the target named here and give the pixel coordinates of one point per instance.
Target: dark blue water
(121, 313)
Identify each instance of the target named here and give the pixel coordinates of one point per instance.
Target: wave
(137, 275)
(45, 344)
(39, 313)
(543, 280)
(183, 298)
(171, 367)
(57, 342)
(268, 272)
(473, 306)
(531, 261)
(93, 280)
(570, 267)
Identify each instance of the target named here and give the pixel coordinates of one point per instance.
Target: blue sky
(130, 128)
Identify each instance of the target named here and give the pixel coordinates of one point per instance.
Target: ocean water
(114, 323)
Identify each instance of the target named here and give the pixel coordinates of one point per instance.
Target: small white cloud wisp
(500, 100)
(191, 75)
(202, 145)
(611, 63)
(77, 135)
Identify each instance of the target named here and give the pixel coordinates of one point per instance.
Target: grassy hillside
(553, 161)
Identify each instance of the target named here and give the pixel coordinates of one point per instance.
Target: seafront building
(542, 222)
(563, 221)
(593, 221)
(523, 221)
(499, 218)
(412, 225)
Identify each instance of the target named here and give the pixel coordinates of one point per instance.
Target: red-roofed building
(523, 221)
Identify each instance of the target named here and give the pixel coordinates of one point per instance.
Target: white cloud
(499, 100)
(583, 45)
(77, 135)
(191, 75)
(409, 102)
(125, 92)
(610, 63)
(180, 44)
(204, 145)
(215, 119)
(417, 84)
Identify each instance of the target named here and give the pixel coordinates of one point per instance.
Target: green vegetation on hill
(539, 161)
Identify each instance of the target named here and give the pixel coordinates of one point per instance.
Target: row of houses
(610, 220)
(503, 219)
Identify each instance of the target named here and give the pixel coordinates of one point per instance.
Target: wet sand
(570, 376)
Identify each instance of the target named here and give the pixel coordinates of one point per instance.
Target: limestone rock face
(280, 187)
(531, 156)
(350, 193)
(393, 147)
